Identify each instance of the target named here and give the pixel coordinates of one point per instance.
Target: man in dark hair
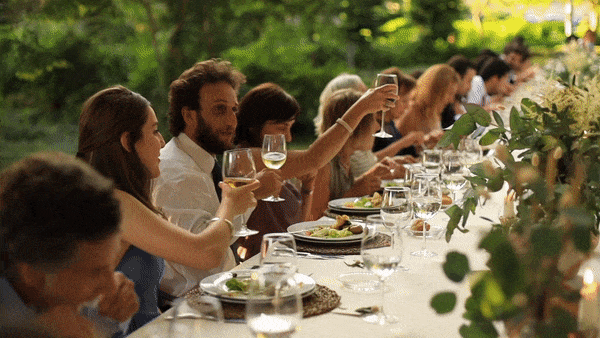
(517, 56)
(202, 120)
(59, 241)
(466, 70)
(492, 80)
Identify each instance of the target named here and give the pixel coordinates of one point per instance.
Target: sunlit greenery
(56, 53)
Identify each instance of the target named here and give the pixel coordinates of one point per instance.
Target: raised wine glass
(274, 306)
(396, 210)
(239, 170)
(383, 79)
(426, 201)
(382, 262)
(274, 154)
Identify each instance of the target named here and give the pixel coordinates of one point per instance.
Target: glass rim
(387, 75)
(237, 150)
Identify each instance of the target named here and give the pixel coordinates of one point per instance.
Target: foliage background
(56, 53)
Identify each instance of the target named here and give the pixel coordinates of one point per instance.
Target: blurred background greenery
(56, 53)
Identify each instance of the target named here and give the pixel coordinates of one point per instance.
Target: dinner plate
(214, 285)
(299, 232)
(339, 205)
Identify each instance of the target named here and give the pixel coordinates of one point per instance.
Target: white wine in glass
(383, 79)
(274, 154)
(239, 170)
(427, 201)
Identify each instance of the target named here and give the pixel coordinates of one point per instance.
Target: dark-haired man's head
(494, 74)
(59, 230)
(483, 57)
(515, 54)
(203, 103)
(466, 70)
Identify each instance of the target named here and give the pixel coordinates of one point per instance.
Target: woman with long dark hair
(119, 137)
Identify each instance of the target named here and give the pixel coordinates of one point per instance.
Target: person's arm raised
(148, 231)
(329, 143)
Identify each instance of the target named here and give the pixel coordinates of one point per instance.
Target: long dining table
(407, 294)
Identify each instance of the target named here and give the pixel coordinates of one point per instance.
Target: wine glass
(396, 209)
(432, 160)
(453, 174)
(383, 79)
(279, 249)
(274, 154)
(239, 170)
(187, 312)
(426, 201)
(274, 306)
(382, 262)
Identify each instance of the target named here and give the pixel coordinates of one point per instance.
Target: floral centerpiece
(535, 253)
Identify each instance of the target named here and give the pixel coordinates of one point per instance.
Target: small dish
(360, 281)
(434, 232)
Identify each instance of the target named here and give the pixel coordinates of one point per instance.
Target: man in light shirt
(203, 102)
(492, 80)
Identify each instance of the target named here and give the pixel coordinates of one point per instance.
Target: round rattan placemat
(338, 249)
(321, 301)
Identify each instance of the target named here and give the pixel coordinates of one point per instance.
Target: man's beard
(208, 140)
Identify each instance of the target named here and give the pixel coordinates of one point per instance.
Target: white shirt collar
(204, 160)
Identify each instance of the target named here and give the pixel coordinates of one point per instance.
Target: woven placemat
(321, 301)
(338, 248)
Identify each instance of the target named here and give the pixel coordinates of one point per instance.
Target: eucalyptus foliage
(556, 180)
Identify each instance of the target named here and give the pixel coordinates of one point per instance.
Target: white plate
(299, 229)
(339, 206)
(214, 285)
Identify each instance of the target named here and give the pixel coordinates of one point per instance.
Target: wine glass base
(382, 134)
(380, 319)
(273, 199)
(245, 232)
(424, 253)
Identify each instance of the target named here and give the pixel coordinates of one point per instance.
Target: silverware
(356, 264)
(313, 256)
(356, 313)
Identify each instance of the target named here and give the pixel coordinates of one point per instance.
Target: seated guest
(335, 179)
(342, 81)
(268, 109)
(435, 89)
(466, 70)
(517, 56)
(118, 135)
(60, 237)
(490, 81)
(484, 55)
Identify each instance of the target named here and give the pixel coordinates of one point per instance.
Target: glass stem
(382, 120)
(382, 303)
(424, 236)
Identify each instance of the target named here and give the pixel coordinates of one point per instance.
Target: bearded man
(202, 120)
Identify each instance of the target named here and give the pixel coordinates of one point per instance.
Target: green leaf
(443, 302)
(498, 119)
(456, 266)
(449, 137)
(465, 125)
(496, 183)
(455, 214)
(516, 123)
(480, 115)
(488, 138)
(546, 242)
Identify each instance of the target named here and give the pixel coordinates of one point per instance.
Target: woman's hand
(65, 321)
(241, 198)
(416, 138)
(270, 183)
(370, 181)
(376, 99)
(433, 138)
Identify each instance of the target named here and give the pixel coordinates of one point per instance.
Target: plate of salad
(340, 230)
(233, 286)
(364, 204)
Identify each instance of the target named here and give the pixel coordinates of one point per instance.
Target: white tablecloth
(407, 296)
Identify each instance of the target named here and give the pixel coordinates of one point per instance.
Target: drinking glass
(396, 210)
(383, 79)
(453, 174)
(432, 160)
(274, 306)
(472, 152)
(239, 170)
(426, 195)
(382, 262)
(279, 249)
(187, 312)
(274, 154)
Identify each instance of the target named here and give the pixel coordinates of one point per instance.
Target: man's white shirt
(478, 94)
(186, 194)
